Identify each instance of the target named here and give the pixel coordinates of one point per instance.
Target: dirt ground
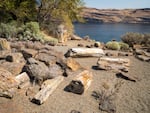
(132, 97)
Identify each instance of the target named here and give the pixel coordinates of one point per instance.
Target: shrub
(123, 46)
(133, 38)
(33, 27)
(146, 40)
(51, 41)
(7, 30)
(113, 45)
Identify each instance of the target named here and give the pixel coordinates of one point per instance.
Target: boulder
(46, 58)
(143, 58)
(15, 57)
(4, 44)
(39, 72)
(13, 67)
(55, 70)
(28, 53)
(17, 45)
(7, 83)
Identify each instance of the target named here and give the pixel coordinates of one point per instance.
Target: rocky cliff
(94, 15)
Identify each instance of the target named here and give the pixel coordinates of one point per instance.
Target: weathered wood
(47, 89)
(8, 84)
(73, 65)
(85, 52)
(80, 83)
(126, 76)
(116, 64)
(23, 80)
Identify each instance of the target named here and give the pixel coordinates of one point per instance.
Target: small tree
(52, 13)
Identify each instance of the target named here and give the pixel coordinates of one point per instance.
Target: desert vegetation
(136, 39)
(25, 19)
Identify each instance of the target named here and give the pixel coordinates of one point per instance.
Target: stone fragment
(4, 44)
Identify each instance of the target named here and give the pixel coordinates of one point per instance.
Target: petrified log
(126, 76)
(13, 67)
(8, 84)
(47, 89)
(23, 80)
(73, 65)
(4, 44)
(81, 82)
(28, 53)
(85, 52)
(116, 64)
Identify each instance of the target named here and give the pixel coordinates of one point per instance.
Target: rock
(73, 65)
(97, 44)
(125, 54)
(37, 45)
(75, 111)
(4, 54)
(38, 71)
(28, 53)
(86, 38)
(136, 46)
(13, 67)
(15, 57)
(55, 70)
(143, 58)
(4, 44)
(88, 46)
(17, 45)
(80, 45)
(75, 37)
(111, 54)
(46, 58)
(7, 83)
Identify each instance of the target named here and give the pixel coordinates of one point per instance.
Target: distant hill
(93, 15)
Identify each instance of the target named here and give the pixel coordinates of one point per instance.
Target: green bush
(113, 45)
(123, 46)
(33, 27)
(51, 41)
(133, 38)
(7, 30)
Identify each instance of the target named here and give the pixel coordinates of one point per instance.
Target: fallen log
(47, 89)
(23, 80)
(8, 84)
(116, 64)
(85, 52)
(80, 83)
(126, 76)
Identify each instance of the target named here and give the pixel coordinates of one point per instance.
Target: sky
(117, 4)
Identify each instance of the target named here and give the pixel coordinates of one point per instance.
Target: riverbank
(131, 97)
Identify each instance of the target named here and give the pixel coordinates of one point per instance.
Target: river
(105, 32)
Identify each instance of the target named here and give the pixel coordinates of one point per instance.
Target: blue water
(105, 32)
